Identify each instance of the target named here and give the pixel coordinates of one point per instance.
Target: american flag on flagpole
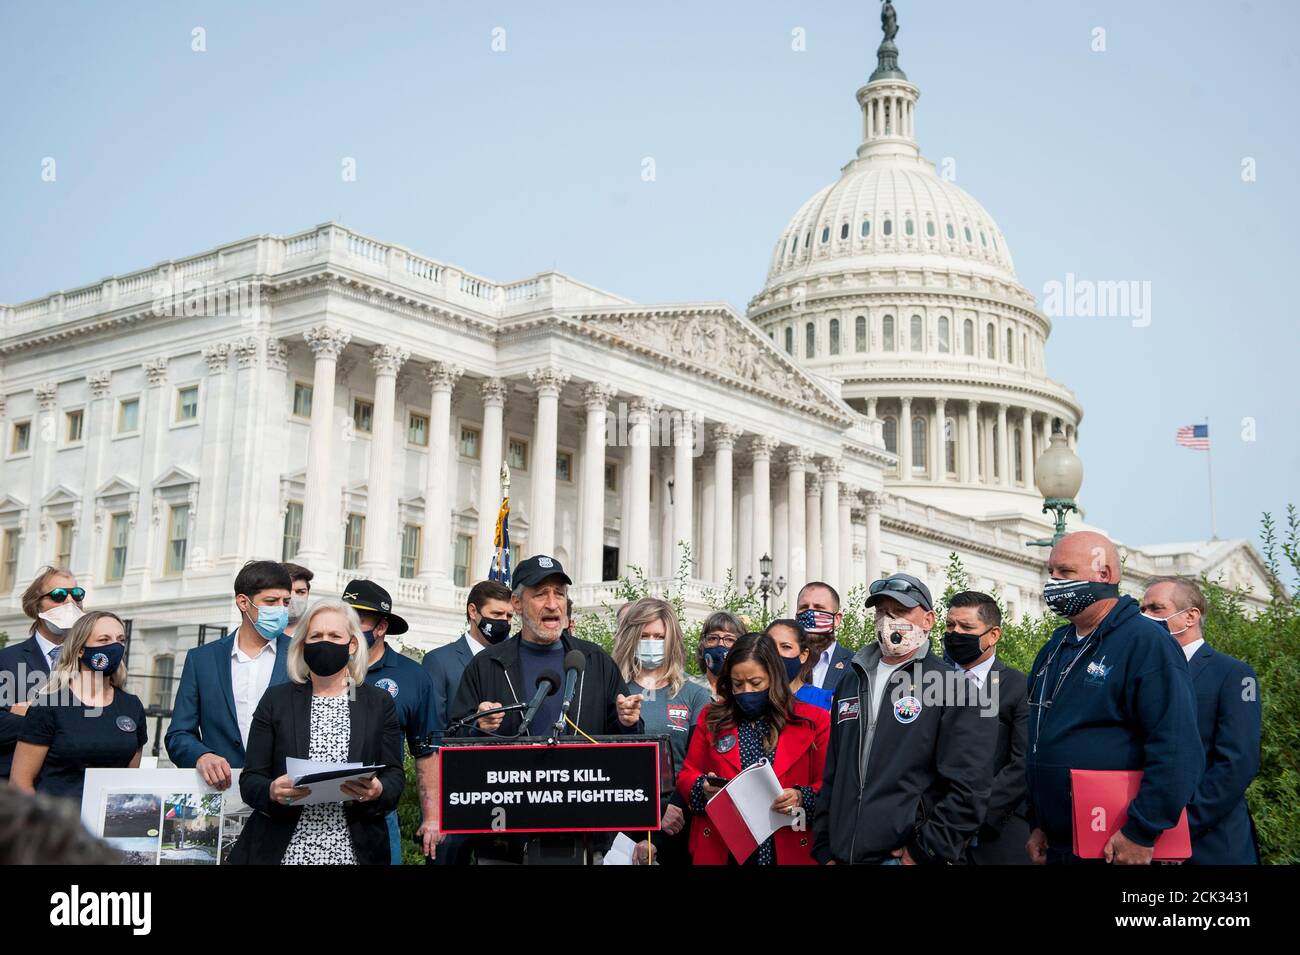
(1195, 436)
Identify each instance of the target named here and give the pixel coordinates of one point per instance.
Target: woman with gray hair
(326, 713)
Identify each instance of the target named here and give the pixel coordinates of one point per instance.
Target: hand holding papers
(743, 810)
(325, 780)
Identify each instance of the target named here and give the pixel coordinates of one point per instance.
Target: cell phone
(716, 781)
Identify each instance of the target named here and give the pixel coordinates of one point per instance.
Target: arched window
(866, 228)
(983, 241)
(920, 446)
(789, 340)
(929, 228)
(1020, 463)
(968, 235)
(835, 336)
(794, 244)
(1024, 349)
(891, 435)
(951, 233)
(810, 340)
(888, 227)
(860, 333)
(908, 227)
(968, 337)
(826, 234)
(950, 445)
(991, 343)
(807, 239)
(887, 332)
(844, 231)
(997, 445)
(916, 333)
(1011, 347)
(944, 343)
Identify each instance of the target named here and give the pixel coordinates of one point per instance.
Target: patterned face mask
(816, 621)
(1069, 598)
(898, 637)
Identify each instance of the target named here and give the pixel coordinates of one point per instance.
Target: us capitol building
(346, 403)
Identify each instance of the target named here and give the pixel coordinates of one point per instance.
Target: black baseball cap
(904, 588)
(531, 572)
(368, 595)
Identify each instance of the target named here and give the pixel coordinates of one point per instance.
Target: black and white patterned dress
(322, 836)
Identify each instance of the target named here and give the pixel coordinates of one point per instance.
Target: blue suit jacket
(1228, 717)
(203, 716)
(839, 666)
(18, 663)
(446, 665)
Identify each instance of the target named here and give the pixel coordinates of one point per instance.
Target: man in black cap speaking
(407, 683)
(909, 767)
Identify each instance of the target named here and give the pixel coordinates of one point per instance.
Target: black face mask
(325, 657)
(494, 631)
(963, 648)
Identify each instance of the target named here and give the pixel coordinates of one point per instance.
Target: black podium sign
(566, 787)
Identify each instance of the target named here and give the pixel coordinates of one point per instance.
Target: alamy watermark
(1086, 298)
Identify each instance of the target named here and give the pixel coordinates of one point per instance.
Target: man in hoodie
(1110, 691)
(910, 763)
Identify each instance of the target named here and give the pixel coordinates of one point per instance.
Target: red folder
(1101, 799)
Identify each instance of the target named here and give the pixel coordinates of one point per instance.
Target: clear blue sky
(1117, 165)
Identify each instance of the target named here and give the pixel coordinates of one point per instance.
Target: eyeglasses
(718, 638)
(61, 594)
(898, 585)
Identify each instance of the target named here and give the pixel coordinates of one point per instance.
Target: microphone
(547, 684)
(574, 664)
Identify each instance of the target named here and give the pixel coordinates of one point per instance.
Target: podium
(543, 785)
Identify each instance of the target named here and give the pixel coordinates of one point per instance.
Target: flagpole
(1209, 469)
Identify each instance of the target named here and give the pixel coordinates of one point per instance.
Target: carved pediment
(60, 494)
(175, 477)
(117, 485)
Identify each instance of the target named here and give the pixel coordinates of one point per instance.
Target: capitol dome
(895, 285)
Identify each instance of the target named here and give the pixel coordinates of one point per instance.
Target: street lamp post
(1059, 475)
(766, 586)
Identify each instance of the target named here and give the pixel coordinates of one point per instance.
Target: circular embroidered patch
(907, 709)
(389, 685)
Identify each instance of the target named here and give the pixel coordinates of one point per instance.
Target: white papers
(752, 793)
(621, 852)
(325, 780)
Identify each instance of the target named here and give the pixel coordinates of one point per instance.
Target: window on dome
(807, 239)
(916, 333)
(789, 340)
(1020, 460)
(844, 231)
(991, 343)
(943, 334)
(1011, 347)
(888, 227)
(891, 435)
(919, 443)
(994, 237)
(968, 235)
(951, 233)
(860, 333)
(810, 340)
(929, 228)
(826, 234)
(794, 244)
(835, 336)
(968, 337)
(983, 241)
(866, 228)
(1024, 349)
(908, 227)
(950, 445)
(887, 332)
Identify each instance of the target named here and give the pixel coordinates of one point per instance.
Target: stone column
(320, 502)
(872, 501)
(493, 391)
(761, 449)
(99, 425)
(43, 441)
(724, 441)
(683, 502)
(847, 575)
(939, 471)
(744, 525)
(591, 545)
(905, 440)
(813, 519)
(154, 421)
(640, 416)
(708, 519)
(780, 532)
(972, 463)
(436, 545)
(381, 506)
(797, 463)
(874, 422)
(1004, 447)
(1027, 445)
(830, 522)
(549, 382)
(213, 458)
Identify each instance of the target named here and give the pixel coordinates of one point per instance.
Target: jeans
(394, 839)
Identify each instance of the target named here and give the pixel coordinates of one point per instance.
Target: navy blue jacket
(1228, 716)
(1126, 704)
(412, 692)
(840, 658)
(203, 715)
(446, 665)
(19, 664)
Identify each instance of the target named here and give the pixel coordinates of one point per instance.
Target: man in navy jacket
(222, 682)
(1228, 718)
(1108, 691)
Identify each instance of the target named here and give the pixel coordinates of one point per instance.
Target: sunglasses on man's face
(60, 594)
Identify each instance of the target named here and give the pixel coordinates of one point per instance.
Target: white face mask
(297, 607)
(1165, 621)
(898, 637)
(59, 620)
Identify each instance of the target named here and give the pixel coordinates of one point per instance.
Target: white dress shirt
(474, 645)
(823, 665)
(249, 678)
(46, 647)
(1190, 650)
(980, 671)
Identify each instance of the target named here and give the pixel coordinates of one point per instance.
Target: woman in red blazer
(756, 717)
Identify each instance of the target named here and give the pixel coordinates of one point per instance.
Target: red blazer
(800, 757)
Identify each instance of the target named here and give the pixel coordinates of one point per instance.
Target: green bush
(1268, 640)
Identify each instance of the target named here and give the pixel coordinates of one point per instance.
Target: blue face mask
(714, 657)
(105, 659)
(651, 653)
(792, 667)
(370, 637)
(751, 705)
(271, 621)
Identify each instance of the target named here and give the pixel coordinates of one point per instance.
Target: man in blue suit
(487, 612)
(222, 682)
(818, 612)
(1228, 717)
